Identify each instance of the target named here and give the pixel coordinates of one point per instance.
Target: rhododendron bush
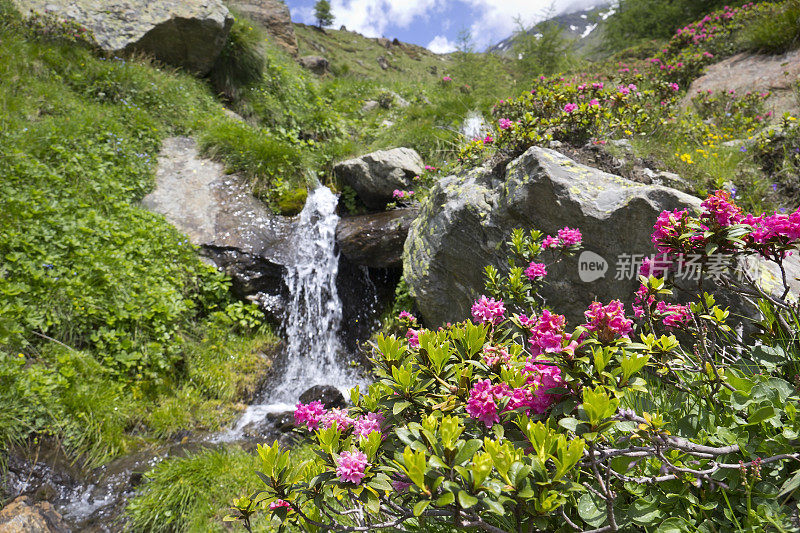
(656, 416)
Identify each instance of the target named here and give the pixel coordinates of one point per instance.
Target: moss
(291, 202)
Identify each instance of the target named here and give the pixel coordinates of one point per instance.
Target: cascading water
(313, 315)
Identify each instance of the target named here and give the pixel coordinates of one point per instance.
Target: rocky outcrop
(375, 176)
(754, 73)
(316, 64)
(185, 33)
(24, 516)
(375, 240)
(218, 213)
(467, 219)
(274, 15)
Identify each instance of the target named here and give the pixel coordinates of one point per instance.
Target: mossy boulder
(186, 33)
(466, 221)
(376, 175)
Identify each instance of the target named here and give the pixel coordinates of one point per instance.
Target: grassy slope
(112, 331)
(352, 53)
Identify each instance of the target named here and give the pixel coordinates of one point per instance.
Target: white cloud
(373, 17)
(441, 45)
(304, 14)
(494, 19)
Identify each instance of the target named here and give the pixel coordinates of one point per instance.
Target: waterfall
(314, 352)
(314, 313)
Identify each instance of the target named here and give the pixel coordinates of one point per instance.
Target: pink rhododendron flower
(527, 321)
(488, 310)
(656, 266)
(400, 486)
(536, 271)
(541, 378)
(398, 194)
(308, 415)
(504, 123)
(608, 322)
(351, 466)
(720, 208)
(278, 504)
(676, 315)
(550, 242)
(340, 417)
(569, 237)
(430, 168)
(481, 403)
(488, 139)
(674, 87)
(594, 103)
(405, 315)
(666, 229)
(413, 337)
(569, 108)
(447, 78)
(642, 298)
(368, 423)
(493, 355)
(548, 334)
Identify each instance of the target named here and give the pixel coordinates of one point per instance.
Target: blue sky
(436, 23)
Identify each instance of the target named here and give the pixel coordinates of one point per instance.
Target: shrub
(241, 61)
(637, 20)
(776, 31)
(512, 422)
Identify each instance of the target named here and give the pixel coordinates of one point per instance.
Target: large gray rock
(467, 219)
(185, 33)
(274, 15)
(218, 213)
(316, 64)
(375, 240)
(375, 176)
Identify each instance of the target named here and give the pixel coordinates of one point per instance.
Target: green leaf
(400, 406)
(644, 512)
(466, 499)
(761, 414)
(445, 499)
(467, 451)
(420, 507)
(791, 484)
(674, 524)
(590, 510)
(569, 423)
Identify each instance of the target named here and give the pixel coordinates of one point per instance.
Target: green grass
(776, 31)
(241, 61)
(193, 493)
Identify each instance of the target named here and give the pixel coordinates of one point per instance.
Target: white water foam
(474, 126)
(313, 315)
